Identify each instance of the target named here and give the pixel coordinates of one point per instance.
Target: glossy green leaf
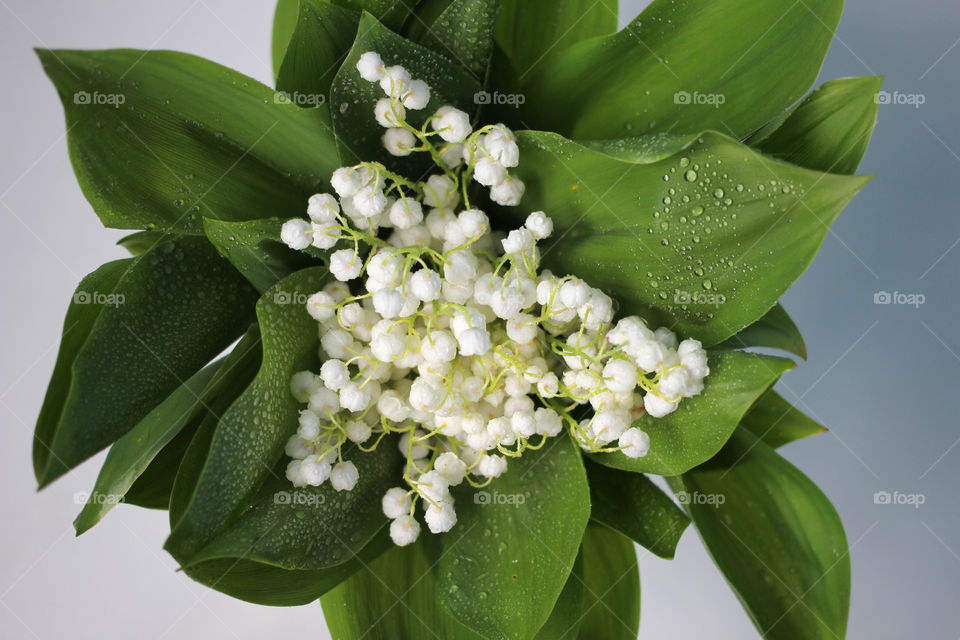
(284, 24)
(701, 425)
(162, 139)
(153, 487)
(684, 67)
(777, 422)
(174, 309)
(775, 537)
(633, 505)
(320, 41)
(705, 241)
(611, 577)
(531, 30)
(142, 241)
(829, 130)
(249, 439)
(775, 330)
(567, 615)
(134, 453)
(464, 33)
(526, 533)
(394, 14)
(255, 249)
(353, 98)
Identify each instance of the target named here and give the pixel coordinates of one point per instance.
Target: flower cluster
(447, 334)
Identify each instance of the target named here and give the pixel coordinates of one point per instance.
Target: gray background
(884, 378)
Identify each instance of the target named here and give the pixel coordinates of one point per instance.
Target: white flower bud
(344, 476)
(452, 124)
(323, 208)
(634, 443)
(370, 66)
(296, 234)
(404, 530)
(398, 141)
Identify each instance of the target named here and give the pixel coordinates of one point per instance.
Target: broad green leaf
(524, 530)
(566, 617)
(775, 537)
(153, 487)
(701, 425)
(706, 241)
(683, 67)
(777, 422)
(391, 13)
(464, 33)
(775, 330)
(255, 249)
(284, 23)
(174, 309)
(81, 316)
(318, 44)
(249, 439)
(633, 505)
(829, 130)
(611, 577)
(530, 30)
(353, 98)
(133, 454)
(162, 139)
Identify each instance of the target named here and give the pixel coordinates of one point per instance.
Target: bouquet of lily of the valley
(410, 333)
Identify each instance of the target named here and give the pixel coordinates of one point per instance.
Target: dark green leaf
(829, 130)
(530, 30)
(611, 603)
(142, 241)
(321, 39)
(775, 330)
(738, 64)
(775, 537)
(633, 505)
(392, 13)
(701, 425)
(524, 535)
(705, 241)
(777, 422)
(174, 309)
(567, 614)
(162, 139)
(249, 439)
(152, 488)
(284, 23)
(464, 34)
(255, 249)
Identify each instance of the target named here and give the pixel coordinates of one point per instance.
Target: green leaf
(611, 577)
(530, 30)
(134, 453)
(153, 487)
(705, 254)
(566, 617)
(775, 537)
(391, 13)
(318, 44)
(174, 309)
(633, 505)
(142, 241)
(255, 249)
(353, 98)
(525, 531)
(162, 139)
(829, 130)
(777, 422)
(284, 23)
(775, 330)
(740, 64)
(249, 439)
(701, 425)
(464, 34)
